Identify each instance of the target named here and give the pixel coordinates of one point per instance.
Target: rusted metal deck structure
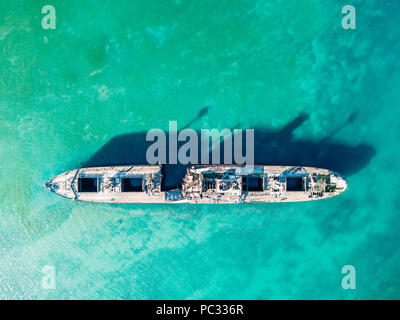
(201, 184)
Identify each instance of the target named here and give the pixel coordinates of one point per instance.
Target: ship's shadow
(277, 147)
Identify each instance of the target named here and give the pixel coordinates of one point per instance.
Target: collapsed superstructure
(201, 184)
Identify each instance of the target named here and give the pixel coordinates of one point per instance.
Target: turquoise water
(123, 67)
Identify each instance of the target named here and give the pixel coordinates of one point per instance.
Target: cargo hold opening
(294, 184)
(88, 184)
(253, 183)
(132, 184)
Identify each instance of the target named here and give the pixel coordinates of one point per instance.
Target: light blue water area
(117, 68)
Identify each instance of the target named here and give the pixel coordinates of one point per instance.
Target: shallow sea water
(119, 68)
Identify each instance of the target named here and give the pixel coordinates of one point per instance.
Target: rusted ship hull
(201, 184)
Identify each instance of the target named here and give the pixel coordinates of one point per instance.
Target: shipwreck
(202, 184)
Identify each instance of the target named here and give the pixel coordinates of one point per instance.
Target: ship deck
(201, 184)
